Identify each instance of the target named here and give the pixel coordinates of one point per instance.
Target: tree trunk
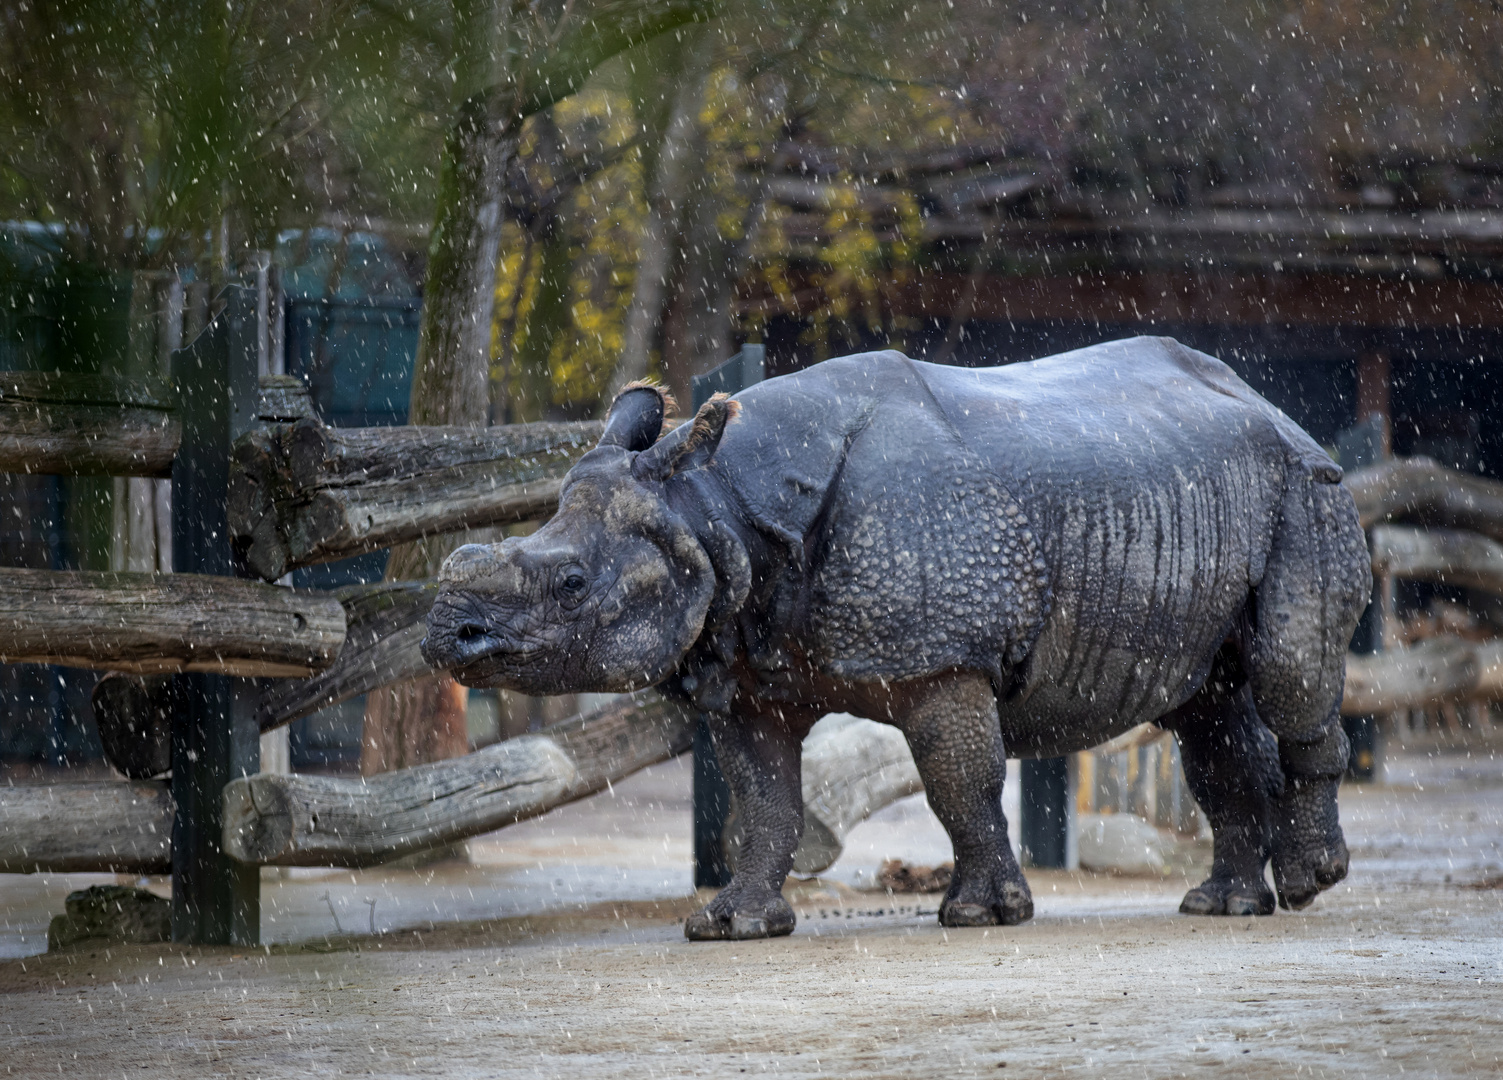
(668, 184)
(697, 330)
(423, 720)
(142, 506)
(451, 381)
(698, 335)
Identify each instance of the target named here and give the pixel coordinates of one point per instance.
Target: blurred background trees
(650, 170)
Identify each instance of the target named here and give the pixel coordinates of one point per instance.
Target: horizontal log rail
(329, 821)
(386, 624)
(1441, 556)
(156, 623)
(1442, 669)
(384, 627)
(304, 493)
(86, 425)
(1424, 492)
(90, 827)
(851, 769)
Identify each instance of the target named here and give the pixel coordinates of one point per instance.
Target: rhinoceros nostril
(471, 630)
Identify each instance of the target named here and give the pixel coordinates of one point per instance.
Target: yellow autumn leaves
(555, 351)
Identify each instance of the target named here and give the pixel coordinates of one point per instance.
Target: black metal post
(1044, 832)
(215, 738)
(712, 795)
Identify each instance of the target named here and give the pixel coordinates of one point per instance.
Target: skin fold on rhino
(1022, 560)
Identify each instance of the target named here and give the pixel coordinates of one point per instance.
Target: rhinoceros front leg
(952, 727)
(760, 758)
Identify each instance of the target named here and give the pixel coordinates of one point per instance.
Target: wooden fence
(201, 660)
(281, 489)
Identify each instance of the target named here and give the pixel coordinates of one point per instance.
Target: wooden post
(712, 794)
(1373, 397)
(215, 737)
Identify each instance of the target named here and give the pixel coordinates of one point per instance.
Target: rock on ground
(111, 913)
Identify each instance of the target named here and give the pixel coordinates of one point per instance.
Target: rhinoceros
(1023, 560)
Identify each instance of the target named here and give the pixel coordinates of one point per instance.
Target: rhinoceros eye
(571, 585)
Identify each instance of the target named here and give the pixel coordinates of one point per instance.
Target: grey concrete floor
(559, 954)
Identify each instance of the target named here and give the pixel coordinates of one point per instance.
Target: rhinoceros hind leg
(952, 727)
(1232, 768)
(760, 757)
(1309, 850)
(1317, 581)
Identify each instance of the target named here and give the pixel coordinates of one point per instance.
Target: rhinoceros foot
(1228, 897)
(998, 901)
(1309, 851)
(741, 918)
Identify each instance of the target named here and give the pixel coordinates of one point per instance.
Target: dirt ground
(498, 969)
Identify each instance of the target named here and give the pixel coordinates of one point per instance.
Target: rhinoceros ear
(636, 416)
(688, 446)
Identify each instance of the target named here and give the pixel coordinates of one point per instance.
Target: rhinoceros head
(610, 594)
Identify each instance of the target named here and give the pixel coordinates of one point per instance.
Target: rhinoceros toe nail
(963, 914)
(748, 927)
(1248, 903)
(702, 926)
(1330, 870)
(1016, 914)
(1200, 901)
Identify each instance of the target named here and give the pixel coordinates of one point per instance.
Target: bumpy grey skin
(1024, 560)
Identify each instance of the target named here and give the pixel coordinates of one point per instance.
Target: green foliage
(143, 126)
(562, 291)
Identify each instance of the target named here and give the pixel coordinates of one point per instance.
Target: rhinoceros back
(1082, 528)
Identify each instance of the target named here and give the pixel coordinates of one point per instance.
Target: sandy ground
(558, 954)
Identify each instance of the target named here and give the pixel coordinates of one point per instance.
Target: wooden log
(304, 493)
(1440, 670)
(133, 714)
(285, 399)
(86, 425)
(94, 827)
(1425, 492)
(329, 821)
(852, 768)
(1443, 556)
(156, 623)
(385, 628)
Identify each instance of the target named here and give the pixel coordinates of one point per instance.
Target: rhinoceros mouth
(463, 636)
(483, 658)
